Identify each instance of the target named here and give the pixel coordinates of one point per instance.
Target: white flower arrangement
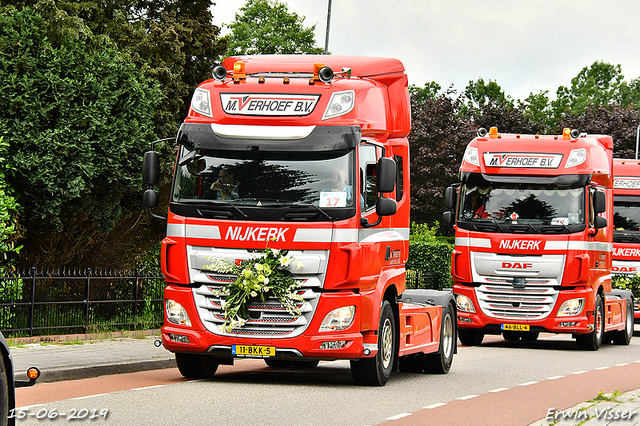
(256, 279)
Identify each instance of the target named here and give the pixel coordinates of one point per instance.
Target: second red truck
(534, 241)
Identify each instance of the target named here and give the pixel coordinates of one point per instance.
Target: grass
(603, 397)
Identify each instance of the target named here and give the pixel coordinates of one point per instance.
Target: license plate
(515, 327)
(253, 351)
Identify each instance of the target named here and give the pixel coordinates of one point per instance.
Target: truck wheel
(440, 363)
(623, 337)
(377, 370)
(195, 366)
(4, 392)
(593, 340)
(470, 336)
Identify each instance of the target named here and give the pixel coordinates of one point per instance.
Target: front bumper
(576, 324)
(347, 344)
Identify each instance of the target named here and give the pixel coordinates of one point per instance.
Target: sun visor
(268, 138)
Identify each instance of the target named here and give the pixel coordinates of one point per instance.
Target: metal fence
(423, 279)
(38, 302)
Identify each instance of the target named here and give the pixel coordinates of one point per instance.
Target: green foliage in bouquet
(257, 278)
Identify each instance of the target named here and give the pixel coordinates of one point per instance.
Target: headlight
(571, 307)
(201, 102)
(338, 319)
(464, 304)
(471, 156)
(176, 314)
(576, 157)
(340, 104)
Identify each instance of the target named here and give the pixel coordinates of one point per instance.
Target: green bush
(77, 115)
(428, 253)
(9, 228)
(626, 282)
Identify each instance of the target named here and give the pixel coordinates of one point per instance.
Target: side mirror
(150, 198)
(151, 168)
(450, 198)
(386, 175)
(599, 202)
(386, 206)
(600, 222)
(448, 218)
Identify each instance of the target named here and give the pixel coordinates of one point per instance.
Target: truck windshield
(266, 185)
(626, 219)
(522, 208)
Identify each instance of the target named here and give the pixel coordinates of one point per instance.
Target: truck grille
(267, 319)
(507, 302)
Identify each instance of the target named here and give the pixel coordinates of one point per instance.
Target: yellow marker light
(566, 133)
(33, 373)
(238, 71)
(493, 132)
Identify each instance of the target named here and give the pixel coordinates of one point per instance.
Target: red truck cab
(306, 155)
(626, 221)
(533, 239)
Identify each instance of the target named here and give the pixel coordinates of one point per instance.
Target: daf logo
(516, 265)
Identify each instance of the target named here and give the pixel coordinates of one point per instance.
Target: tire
(623, 337)
(440, 362)
(470, 336)
(4, 393)
(511, 335)
(593, 340)
(377, 370)
(529, 336)
(196, 366)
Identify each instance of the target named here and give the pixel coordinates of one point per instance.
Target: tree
(478, 94)
(9, 226)
(439, 136)
(267, 27)
(620, 123)
(595, 85)
(538, 110)
(77, 115)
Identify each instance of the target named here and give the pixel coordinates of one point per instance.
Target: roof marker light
(493, 132)
(566, 133)
(239, 72)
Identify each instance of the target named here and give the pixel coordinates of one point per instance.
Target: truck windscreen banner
(526, 160)
(626, 182)
(271, 104)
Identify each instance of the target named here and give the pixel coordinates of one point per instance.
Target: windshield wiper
(298, 205)
(514, 227)
(204, 207)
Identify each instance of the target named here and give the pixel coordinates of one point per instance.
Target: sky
(526, 46)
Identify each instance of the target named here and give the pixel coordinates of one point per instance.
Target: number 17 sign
(333, 199)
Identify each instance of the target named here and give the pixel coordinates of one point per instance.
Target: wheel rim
(447, 336)
(387, 343)
(599, 324)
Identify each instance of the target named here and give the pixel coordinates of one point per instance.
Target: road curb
(60, 374)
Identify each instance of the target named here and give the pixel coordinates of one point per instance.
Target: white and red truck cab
(305, 154)
(626, 221)
(533, 239)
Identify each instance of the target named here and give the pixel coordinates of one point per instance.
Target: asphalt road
(497, 383)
